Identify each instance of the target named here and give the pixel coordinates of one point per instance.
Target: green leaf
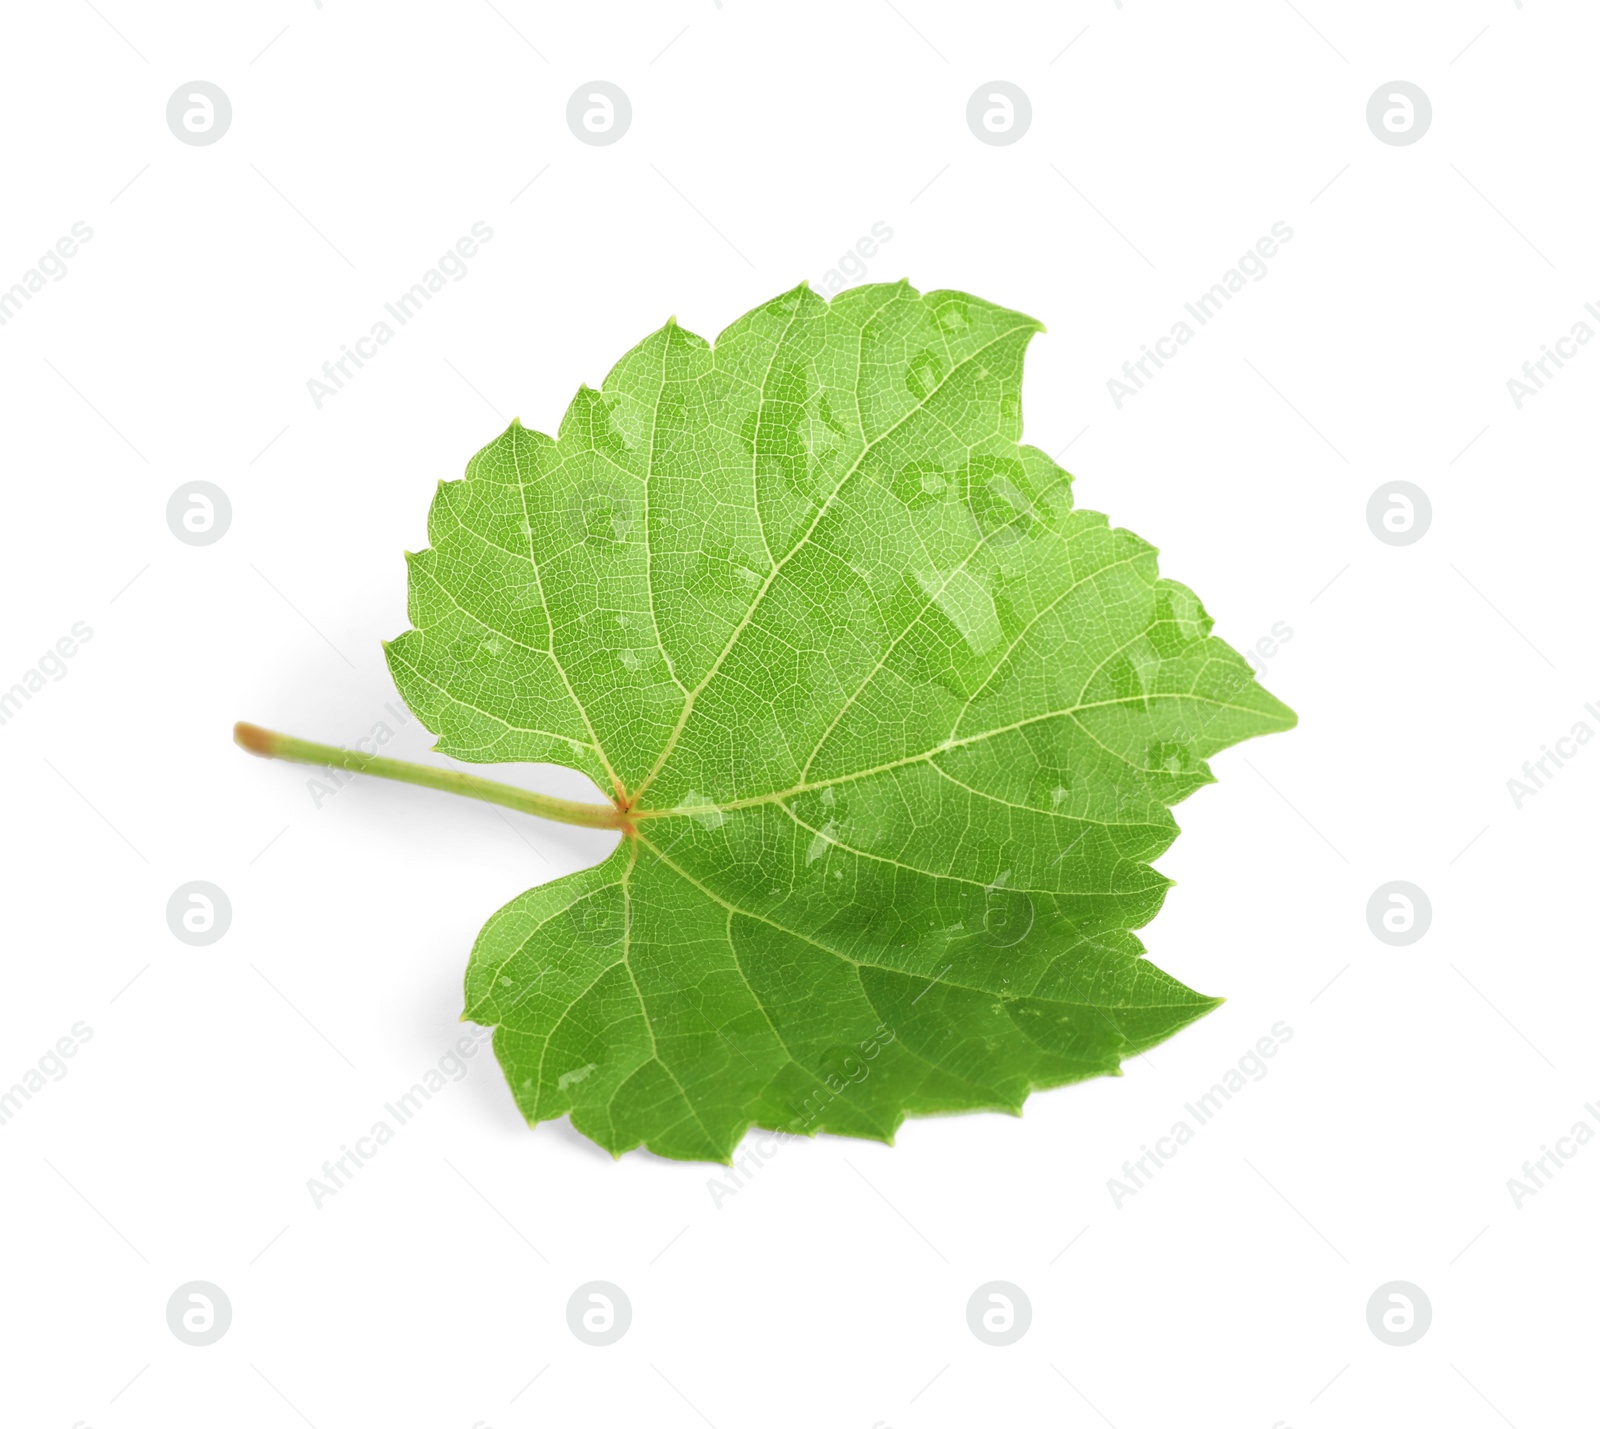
(894, 726)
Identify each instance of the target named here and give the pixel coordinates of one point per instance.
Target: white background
(831, 1287)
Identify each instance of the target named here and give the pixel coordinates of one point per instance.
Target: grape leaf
(895, 729)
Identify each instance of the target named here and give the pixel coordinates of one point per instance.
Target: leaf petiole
(271, 745)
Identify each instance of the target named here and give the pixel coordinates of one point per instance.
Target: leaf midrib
(794, 791)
